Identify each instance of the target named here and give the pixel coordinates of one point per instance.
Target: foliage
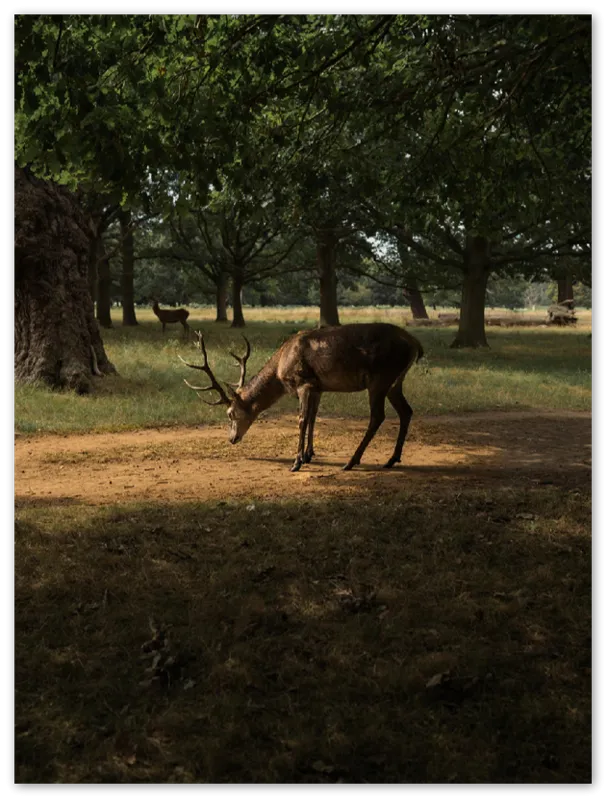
(413, 131)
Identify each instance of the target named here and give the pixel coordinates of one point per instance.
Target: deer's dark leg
(305, 395)
(163, 324)
(403, 408)
(315, 399)
(377, 415)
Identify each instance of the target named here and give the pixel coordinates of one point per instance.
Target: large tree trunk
(57, 339)
(128, 262)
(328, 282)
(238, 320)
(471, 329)
(104, 285)
(565, 290)
(416, 301)
(221, 298)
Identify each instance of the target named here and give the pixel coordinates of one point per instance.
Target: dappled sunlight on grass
(524, 368)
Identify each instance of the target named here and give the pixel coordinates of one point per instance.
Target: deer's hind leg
(377, 397)
(403, 408)
(308, 405)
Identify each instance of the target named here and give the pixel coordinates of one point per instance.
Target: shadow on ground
(405, 635)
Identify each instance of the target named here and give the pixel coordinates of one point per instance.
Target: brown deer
(169, 315)
(374, 356)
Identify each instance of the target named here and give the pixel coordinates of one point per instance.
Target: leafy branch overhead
(258, 136)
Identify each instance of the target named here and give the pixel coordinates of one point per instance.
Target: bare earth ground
(199, 464)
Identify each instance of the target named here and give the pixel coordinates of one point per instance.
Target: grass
(441, 636)
(524, 368)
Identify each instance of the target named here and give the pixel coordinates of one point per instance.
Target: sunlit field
(532, 367)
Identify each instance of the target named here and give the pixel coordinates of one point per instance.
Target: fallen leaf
(437, 679)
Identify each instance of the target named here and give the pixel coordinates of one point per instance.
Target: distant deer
(169, 315)
(374, 356)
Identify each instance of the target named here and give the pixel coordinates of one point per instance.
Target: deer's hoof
(308, 457)
(391, 462)
(349, 466)
(296, 466)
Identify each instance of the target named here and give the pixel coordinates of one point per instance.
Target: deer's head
(240, 413)
(241, 416)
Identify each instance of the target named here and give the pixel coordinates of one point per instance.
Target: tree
(237, 236)
(52, 245)
(186, 251)
(487, 177)
(102, 213)
(108, 106)
(117, 106)
(128, 263)
(252, 131)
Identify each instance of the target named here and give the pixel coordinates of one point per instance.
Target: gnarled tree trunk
(128, 262)
(238, 320)
(471, 328)
(57, 339)
(328, 282)
(221, 298)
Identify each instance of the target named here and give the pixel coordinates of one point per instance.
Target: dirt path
(182, 464)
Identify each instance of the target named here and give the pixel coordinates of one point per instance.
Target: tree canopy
(445, 140)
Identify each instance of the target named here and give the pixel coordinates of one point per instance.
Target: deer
(350, 358)
(170, 315)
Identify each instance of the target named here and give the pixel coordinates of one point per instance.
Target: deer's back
(171, 314)
(349, 357)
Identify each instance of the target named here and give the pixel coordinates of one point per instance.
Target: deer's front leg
(315, 399)
(305, 395)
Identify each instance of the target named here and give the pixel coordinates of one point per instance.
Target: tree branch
(400, 233)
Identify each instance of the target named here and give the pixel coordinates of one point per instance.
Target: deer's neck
(264, 389)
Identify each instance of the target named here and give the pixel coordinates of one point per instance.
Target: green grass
(443, 635)
(524, 368)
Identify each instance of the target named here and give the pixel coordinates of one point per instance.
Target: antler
(243, 363)
(215, 386)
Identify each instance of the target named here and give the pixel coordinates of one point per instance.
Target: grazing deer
(374, 356)
(169, 315)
